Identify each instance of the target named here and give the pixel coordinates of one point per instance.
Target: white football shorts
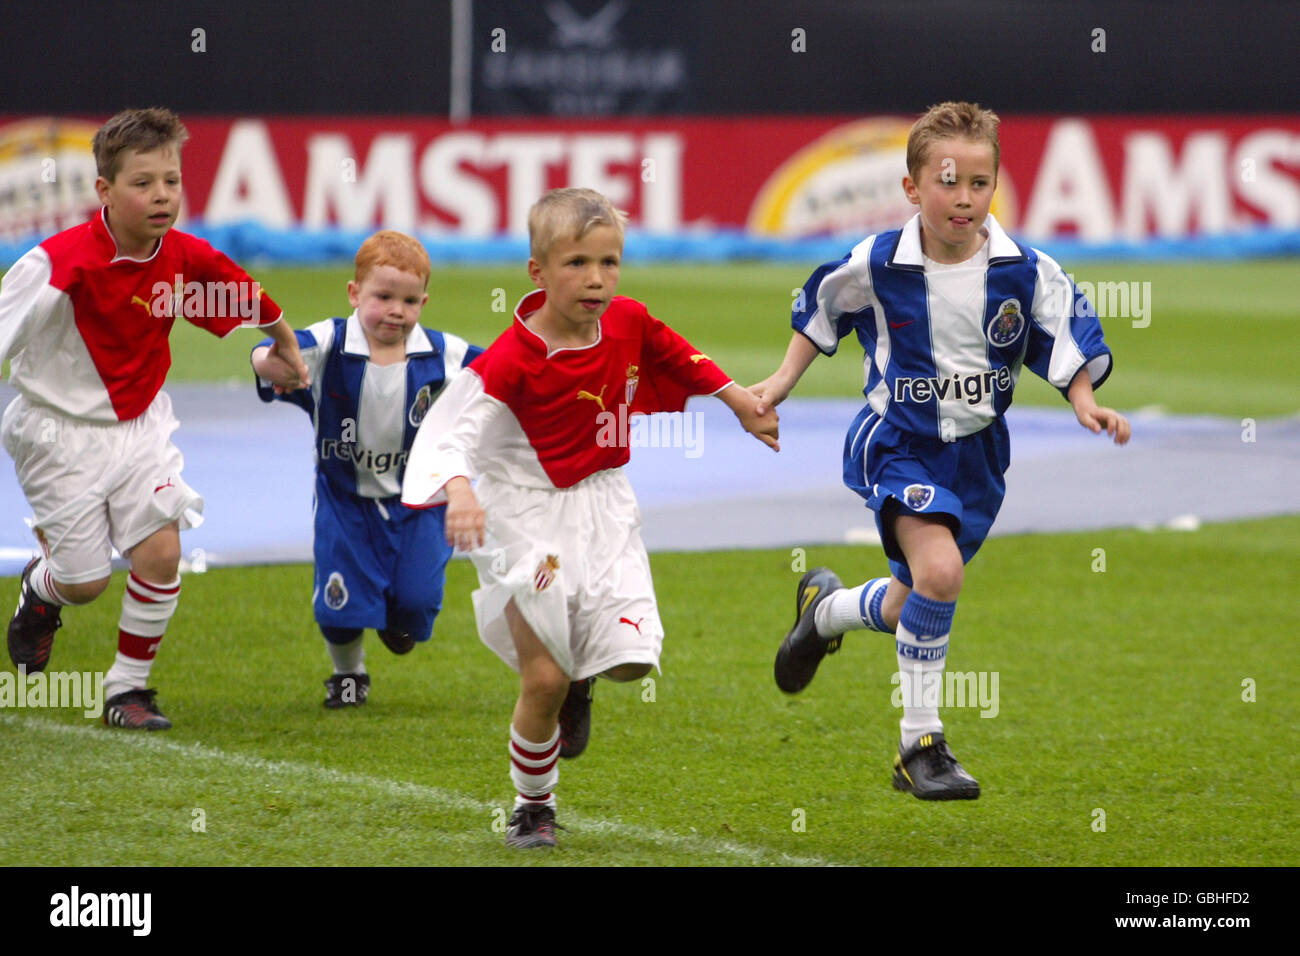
(93, 487)
(573, 560)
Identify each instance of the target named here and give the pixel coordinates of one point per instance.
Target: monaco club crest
(632, 380)
(545, 573)
(1006, 326)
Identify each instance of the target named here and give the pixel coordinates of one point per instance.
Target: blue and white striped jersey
(943, 364)
(366, 415)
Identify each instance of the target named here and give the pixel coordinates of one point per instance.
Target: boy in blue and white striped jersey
(374, 376)
(948, 309)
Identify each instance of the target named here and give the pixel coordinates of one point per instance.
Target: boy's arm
(281, 363)
(774, 389)
(465, 520)
(762, 425)
(823, 312)
(1092, 416)
(676, 371)
(462, 420)
(20, 300)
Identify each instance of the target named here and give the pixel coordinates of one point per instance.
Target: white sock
(42, 582)
(921, 641)
(349, 658)
(534, 767)
(852, 609)
(127, 673)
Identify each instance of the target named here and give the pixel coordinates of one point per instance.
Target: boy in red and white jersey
(84, 320)
(565, 589)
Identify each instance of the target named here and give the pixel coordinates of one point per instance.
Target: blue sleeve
(830, 303)
(301, 397)
(1064, 332)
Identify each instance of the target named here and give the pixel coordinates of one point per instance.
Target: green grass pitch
(1121, 692)
(1216, 342)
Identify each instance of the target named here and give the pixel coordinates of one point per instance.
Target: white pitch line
(449, 799)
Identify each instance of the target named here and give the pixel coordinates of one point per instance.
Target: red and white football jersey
(542, 419)
(86, 329)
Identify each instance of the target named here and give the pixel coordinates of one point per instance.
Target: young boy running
(375, 374)
(84, 319)
(949, 309)
(565, 590)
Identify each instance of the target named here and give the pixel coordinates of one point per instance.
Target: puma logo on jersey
(598, 399)
(136, 300)
(699, 357)
(635, 624)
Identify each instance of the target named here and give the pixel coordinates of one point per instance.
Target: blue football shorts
(379, 564)
(898, 472)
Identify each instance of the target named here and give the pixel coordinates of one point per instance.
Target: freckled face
(388, 303)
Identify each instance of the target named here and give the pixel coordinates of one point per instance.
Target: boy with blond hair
(84, 319)
(376, 374)
(553, 527)
(949, 309)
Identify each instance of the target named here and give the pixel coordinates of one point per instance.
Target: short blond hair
(139, 130)
(951, 121)
(571, 212)
(391, 248)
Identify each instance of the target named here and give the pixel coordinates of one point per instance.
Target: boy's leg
(349, 685)
(925, 765)
(419, 578)
(153, 589)
(534, 737)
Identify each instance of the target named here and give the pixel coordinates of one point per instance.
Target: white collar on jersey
(908, 254)
(117, 255)
(354, 340)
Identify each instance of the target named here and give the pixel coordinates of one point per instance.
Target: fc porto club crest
(336, 592)
(632, 381)
(1005, 327)
(420, 407)
(918, 497)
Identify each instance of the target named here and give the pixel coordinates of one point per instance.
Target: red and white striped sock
(146, 610)
(534, 768)
(42, 583)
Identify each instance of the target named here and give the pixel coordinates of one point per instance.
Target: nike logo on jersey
(598, 399)
(899, 325)
(635, 624)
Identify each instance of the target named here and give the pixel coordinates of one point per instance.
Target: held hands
(465, 521)
(296, 375)
(763, 426)
(770, 392)
(285, 372)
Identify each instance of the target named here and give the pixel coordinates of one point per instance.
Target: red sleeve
(231, 297)
(674, 370)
